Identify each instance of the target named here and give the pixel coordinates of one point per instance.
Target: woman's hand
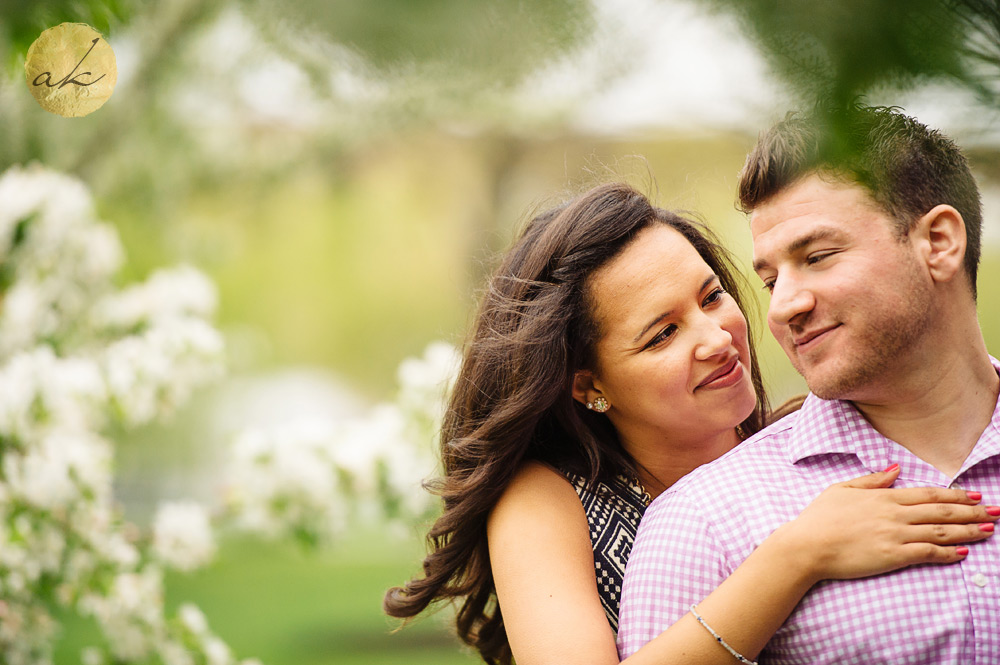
(860, 527)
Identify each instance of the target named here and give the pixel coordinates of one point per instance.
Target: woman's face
(672, 358)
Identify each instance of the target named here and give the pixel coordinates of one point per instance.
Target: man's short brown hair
(906, 167)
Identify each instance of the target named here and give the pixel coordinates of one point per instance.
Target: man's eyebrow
(659, 318)
(826, 233)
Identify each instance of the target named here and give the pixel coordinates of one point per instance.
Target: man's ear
(940, 234)
(584, 386)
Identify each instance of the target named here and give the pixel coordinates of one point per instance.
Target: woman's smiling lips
(727, 375)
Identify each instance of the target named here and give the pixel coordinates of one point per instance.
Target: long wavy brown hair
(512, 400)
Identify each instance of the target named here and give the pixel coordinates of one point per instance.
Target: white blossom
(151, 373)
(77, 354)
(58, 255)
(424, 381)
(193, 619)
(131, 614)
(60, 468)
(26, 314)
(92, 656)
(42, 392)
(170, 293)
(182, 535)
(217, 652)
(283, 480)
(173, 653)
(36, 190)
(311, 477)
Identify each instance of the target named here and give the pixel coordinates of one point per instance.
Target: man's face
(849, 300)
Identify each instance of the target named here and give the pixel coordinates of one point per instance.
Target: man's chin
(843, 385)
(824, 391)
(822, 382)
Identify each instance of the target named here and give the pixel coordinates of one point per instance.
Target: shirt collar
(827, 427)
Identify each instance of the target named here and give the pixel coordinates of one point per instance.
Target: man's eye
(819, 256)
(769, 285)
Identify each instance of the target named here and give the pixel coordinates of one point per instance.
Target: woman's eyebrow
(659, 318)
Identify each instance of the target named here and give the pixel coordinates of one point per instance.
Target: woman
(610, 357)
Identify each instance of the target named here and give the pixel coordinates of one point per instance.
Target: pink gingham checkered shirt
(696, 533)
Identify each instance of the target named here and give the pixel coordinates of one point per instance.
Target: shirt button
(954, 485)
(979, 580)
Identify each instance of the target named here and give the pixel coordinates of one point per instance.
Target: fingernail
(961, 550)
(993, 510)
(891, 467)
(975, 496)
(987, 527)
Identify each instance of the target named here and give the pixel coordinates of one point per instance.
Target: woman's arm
(543, 567)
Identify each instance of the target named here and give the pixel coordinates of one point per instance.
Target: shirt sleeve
(675, 562)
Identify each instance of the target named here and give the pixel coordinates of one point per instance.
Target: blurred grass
(287, 606)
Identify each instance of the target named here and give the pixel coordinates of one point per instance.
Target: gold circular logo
(71, 70)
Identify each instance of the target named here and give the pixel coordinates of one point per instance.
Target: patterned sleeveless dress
(613, 514)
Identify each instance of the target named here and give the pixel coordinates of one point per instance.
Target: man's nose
(789, 300)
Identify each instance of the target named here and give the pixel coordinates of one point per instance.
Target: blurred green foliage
(837, 50)
(499, 41)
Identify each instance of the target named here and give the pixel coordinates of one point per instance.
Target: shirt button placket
(984, 596)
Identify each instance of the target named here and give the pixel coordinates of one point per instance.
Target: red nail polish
(975, 496)
(891, 467)
(987, 527)
(962, 550)
(993, 510)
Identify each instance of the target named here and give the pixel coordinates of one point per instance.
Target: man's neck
(940, 410)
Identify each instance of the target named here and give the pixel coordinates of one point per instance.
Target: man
(870, 251)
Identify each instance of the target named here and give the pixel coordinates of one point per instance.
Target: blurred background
(347, 172)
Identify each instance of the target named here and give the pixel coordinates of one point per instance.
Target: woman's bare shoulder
(536, 482)
(539, 499)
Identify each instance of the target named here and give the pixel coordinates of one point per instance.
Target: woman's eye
(714, 295)
(662, 336)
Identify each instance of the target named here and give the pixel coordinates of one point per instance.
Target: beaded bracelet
(735, 654)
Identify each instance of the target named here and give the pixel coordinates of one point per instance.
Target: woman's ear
(941, 234)
(584, 388)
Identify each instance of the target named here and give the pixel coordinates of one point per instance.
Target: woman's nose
(714, 339)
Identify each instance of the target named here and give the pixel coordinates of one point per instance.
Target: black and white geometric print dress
(613, 514)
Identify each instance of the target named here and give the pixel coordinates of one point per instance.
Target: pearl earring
(600, 404)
